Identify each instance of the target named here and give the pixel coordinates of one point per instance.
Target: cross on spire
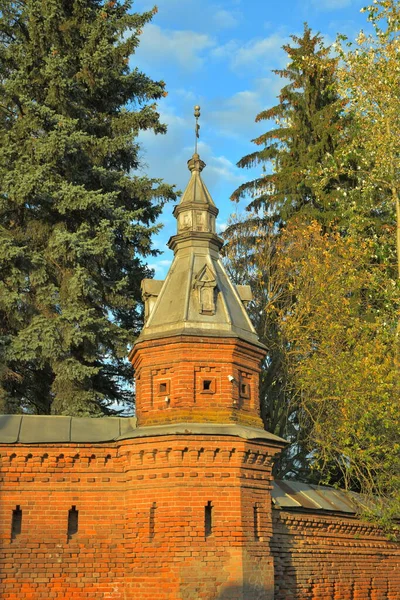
(197, 128)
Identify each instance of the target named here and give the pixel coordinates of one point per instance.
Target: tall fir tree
(326, 301)
(251, 258)
(75, 221)
(309, 125)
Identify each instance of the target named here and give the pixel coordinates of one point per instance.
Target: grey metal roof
(196, 191)
(36, 429)
(296, 495)
(243, 431)
(42, 429)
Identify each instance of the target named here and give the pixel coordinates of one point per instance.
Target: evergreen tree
(309, 124)
(251, 257)
(75, 224)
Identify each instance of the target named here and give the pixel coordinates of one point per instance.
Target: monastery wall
(203, 519)
(327, 557)
(171, 518)
(179, 505)
(174, 518)
(39, 558)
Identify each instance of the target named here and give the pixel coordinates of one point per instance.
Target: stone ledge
(241, 431)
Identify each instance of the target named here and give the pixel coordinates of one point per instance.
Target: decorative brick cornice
(322, 525)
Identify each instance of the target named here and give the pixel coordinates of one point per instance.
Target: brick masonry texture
(141, 531)
(182, 364)
(141, 528)
(322, 557)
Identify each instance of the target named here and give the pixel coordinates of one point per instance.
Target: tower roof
(196, 191)
(197, 296)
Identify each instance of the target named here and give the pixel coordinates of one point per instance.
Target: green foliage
(369, 83)
(340, 331)
(308, 124)
(318, 250)
(75, 223)
(250, 256)
(327, 311)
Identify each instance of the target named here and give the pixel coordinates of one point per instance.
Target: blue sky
(219, 54)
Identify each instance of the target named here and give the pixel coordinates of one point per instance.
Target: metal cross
(197, 129)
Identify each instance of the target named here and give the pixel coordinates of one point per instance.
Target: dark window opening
(208, 519)
(73, 515)
(244, 390)
(207, 384)
(152, 520)
(256, 517)
(16, 522)
(163, 389)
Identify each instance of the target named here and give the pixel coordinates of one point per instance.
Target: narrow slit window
(163, 388)
(244, 390)
(152, 521)
(208, 525)
(207, 384)
(73, 518)
(16, 522)
(256, 518)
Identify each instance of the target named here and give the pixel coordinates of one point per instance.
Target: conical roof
(196, 191)
(197, 296)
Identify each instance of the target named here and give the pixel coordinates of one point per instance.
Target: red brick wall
(180, 364)
(181, 476)
(141, 520)
(141, 504)
(46, 481)
(321, 557)
(142, 532)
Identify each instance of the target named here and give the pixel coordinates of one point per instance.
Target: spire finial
(197, 128)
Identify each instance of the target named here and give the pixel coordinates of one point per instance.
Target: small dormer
(245, 294)
(150, 291)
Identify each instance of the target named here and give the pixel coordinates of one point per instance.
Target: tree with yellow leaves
(336, 311)
(369, 81)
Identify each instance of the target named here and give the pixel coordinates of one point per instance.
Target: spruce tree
(76, 216)
(309, 123)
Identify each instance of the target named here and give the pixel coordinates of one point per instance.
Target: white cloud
(186, 95)
(160, 267)
(226, 19)
(221, 168)
(225, 51)
(164, 263)
(182, 47)
(166, 155)
(234, 117)
(256, 54)
(205, 16)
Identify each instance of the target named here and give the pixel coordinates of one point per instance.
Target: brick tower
(201, 460)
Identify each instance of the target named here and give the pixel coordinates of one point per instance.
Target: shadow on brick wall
(247, 592)
(285, 574)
